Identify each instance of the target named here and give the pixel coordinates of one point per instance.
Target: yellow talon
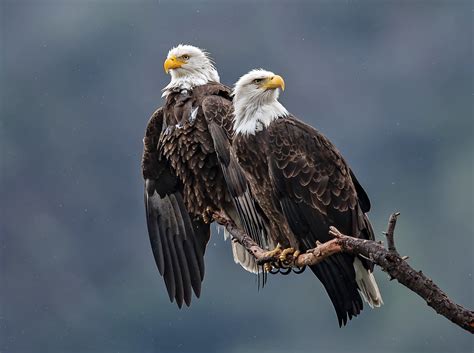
(274, 252)
(290, 252)
(285, 253)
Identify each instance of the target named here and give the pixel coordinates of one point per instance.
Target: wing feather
(316, 190)
(215, 108)
(178, 243)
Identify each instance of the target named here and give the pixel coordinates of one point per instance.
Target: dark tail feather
(338, 279)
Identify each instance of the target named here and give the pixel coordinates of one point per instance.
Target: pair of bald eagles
(212, 151)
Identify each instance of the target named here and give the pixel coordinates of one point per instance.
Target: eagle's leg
(288, 256)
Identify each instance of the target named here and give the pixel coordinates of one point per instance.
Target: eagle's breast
(252, 151)
(187, 145)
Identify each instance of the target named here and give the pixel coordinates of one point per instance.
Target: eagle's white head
(256, 101)
(189, 67)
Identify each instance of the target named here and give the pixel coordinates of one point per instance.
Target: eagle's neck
(252, 118)
(191, 79)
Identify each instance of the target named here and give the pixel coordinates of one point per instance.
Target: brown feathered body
(304, 186)
(315, 175)
(184, 184)
(188, 146)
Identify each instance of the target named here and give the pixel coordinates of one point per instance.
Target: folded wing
(316, 190)
(178, 241)
(218, 114)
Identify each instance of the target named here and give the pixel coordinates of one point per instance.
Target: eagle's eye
(185, 57)
(257, 80)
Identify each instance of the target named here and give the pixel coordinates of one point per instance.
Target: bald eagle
(184, 184)
(303, 185)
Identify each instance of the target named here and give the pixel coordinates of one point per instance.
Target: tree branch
(392, 221)
(388, 259)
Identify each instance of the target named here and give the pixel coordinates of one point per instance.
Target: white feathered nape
(367, 285)
(198, 70)
(254, 106)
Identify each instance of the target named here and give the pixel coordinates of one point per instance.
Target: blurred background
(389, 82)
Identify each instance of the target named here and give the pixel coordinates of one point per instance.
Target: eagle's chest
(180, 107)
(187, 144)
(185, 136)
(251, 152)
(187, 148)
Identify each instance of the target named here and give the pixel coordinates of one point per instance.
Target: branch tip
(389, 233)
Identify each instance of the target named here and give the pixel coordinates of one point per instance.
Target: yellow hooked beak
(274, 82)
(173, 63)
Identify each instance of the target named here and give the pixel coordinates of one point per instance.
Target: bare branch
(388, 259)
(390, 230)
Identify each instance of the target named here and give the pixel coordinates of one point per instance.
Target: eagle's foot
(288, 256)
(268, 267)
(299, 270)
(275, 253)
(272, 267)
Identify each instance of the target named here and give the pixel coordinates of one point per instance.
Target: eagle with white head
(257, 104)
(303, 185)
(189, 67)
(184, 183)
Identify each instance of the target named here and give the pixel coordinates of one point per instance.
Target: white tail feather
(367, 285)
(241, 255)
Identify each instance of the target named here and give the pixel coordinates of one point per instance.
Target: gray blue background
(390, 82)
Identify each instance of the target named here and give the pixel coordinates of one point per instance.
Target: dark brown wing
(218, 112)
(364, 200)
(316, 190)
(178, 242)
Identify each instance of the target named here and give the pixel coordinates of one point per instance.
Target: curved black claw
(285, 271)
(274, 270)
(298, 270)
